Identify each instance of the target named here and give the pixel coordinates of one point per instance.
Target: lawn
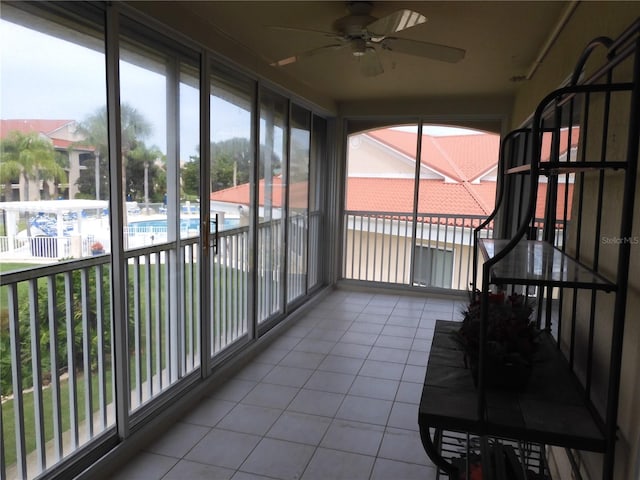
(142, 355)
(136, 360)
(8, 415)
(6, 267)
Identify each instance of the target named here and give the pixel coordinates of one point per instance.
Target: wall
(365, 160)
(592, 19)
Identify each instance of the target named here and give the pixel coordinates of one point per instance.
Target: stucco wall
(592, 19)
(589, 20)
(365, 159)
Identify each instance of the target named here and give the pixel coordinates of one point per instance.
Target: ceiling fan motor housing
(354, 24)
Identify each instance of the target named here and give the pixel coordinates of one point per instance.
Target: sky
(439, 130)
(45, 77)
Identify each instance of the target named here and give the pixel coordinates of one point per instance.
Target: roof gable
(462, 158)
(47, 127)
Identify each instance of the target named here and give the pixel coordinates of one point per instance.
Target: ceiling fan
(365, 35)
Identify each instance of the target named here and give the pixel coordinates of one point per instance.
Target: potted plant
(97, 248)
(510, 339)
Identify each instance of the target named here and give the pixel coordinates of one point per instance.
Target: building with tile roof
(457, 176)
(64, 138)
(457, 173)
(456, 188)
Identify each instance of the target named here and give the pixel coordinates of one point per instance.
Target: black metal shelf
(550, 410)
(570, 374)
(559, 168)
(463, 450)
(533, 262)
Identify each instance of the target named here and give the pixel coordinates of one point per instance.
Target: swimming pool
(159, 225)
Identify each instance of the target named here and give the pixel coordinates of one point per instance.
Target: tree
(86, 182)
(190, 175)
(9, 173)
(134, 128)
(138, 159)
(231, 166)
(72, 302)
(29, 155)
(47, 175)
(231, 163)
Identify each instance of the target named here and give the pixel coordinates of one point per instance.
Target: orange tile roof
(461, 157)
(31, 125)
(563, 143)
(542, 193)
(241, 194)
(60, 143)
(386, 195)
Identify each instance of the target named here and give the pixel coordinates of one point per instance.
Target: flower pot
(503, 374)
(510, 341)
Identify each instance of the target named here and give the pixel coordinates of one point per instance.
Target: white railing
(57, 378)
(229, 288)
(57, 365)
(269, 269)
(57, 382)
(50, 249)
(386, 247)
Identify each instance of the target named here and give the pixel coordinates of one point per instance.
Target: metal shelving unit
(566, 145)
(525, 459)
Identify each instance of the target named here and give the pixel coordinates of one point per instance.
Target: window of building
(433, 267)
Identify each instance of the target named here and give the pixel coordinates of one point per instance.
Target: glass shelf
(533, 262)
(556, 168)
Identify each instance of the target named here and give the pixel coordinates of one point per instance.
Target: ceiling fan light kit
(365, 34)
(358, 47)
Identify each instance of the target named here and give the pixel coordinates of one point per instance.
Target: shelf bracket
(432, 451)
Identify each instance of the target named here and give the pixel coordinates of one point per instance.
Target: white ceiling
(502, 40)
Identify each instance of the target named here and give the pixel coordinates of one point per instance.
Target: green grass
(29, 413)
(6, 267)
(8, 414)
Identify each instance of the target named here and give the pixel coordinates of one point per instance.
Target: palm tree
(134, 128)
(29, 155)
(9, 171)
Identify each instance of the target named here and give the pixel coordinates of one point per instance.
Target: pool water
(160, 225)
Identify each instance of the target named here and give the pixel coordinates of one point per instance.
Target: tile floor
(336, 396)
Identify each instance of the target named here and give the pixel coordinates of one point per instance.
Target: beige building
(64, 138)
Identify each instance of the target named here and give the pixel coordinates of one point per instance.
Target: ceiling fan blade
(303, 30)
(395, 22)
(307, 54)
(370, 64)
(433, 51)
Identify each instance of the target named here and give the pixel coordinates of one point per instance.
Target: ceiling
(502, 40)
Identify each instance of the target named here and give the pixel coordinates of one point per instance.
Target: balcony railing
(57, 377)
(387, 247)
(57, 383)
